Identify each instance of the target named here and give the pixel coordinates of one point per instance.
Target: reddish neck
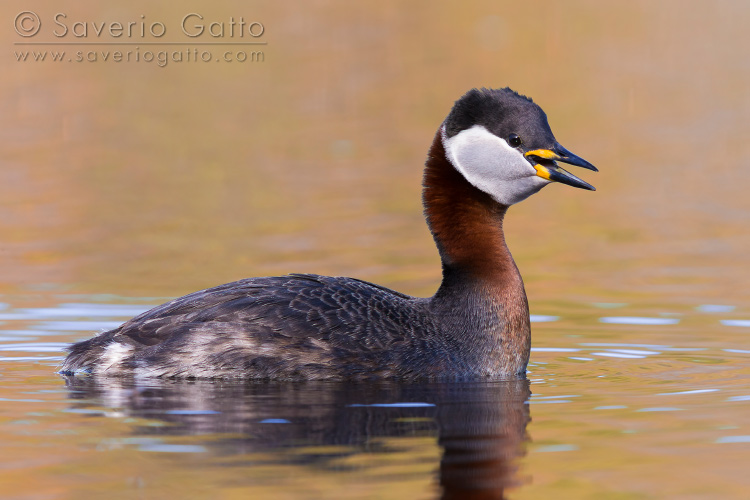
(467, 225)
(481, 301)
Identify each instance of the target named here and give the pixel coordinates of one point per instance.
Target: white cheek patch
(490, 164)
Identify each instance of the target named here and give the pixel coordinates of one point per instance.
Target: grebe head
(501, 143)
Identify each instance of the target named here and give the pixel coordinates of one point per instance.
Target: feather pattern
(300, 326)
(305, 326)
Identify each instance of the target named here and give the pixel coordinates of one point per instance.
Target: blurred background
(124, 183)
(134, 179)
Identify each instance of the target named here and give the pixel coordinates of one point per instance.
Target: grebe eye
(514, 140)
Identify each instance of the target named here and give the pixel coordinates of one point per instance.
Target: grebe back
(493, 150)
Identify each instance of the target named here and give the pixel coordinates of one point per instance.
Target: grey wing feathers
(263, 325)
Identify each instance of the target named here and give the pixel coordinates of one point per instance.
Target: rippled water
(599, 416)
(124, 185)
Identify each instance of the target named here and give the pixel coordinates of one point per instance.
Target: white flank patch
(490, 164)
(114, 354)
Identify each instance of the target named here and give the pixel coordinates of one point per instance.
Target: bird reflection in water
(480, 427)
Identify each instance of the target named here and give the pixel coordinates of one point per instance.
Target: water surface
(598, 414)
(124, 185)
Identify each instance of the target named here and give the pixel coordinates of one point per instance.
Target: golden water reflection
(620, 402)
(125, 184)
(380, 432)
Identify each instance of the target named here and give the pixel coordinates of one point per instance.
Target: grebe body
(494, 149)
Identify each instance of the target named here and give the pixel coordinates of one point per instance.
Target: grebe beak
(546, 168)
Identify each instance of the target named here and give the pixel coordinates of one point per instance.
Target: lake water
(122, 185)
